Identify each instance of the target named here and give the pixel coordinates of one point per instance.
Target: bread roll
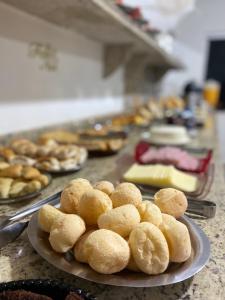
(132, 266)
(80, 249)
(104, 186)
(149, 212)
(171, 202)
(65, 232)
(83, 181)
(107, 251)
(122, 219)
(178, 239)
(126, 193)
(47, 215)
(72, 194)
(92, 204)
(149, 248)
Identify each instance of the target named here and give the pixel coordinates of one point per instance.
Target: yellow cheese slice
(161, 176)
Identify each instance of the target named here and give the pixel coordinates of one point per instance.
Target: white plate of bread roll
(109, 235)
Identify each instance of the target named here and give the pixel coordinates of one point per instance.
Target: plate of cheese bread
(109, 235)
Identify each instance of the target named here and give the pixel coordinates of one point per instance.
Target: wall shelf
(102, 21)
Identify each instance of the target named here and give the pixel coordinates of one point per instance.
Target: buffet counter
(18, 260)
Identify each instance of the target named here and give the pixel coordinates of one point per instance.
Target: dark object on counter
(192, 95)
(22, 295)
(39, 289)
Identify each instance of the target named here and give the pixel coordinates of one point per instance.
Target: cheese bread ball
(47, 215)
(92, 204)
(126, 193)
(122, 219)
(149, 248)
(150, 212)
(132, 266)
(178, 238)
(80, 250)
(171, 202)
(72, 194)
(65, 232)
(104, 186)
(80, 180)
(107, 251)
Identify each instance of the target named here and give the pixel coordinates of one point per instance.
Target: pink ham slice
(171, 155)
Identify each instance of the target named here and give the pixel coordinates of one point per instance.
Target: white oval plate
(175, 272)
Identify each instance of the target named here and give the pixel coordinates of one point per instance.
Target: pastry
(178, 238)
(14, 171)
(171, 201)
(92, 204)
(149, 248)
(24, 147)
(48, 164)
(149, 212)
(80, 251)
(47, 215)
(65, 232)
(107, 251)
(72, 194)
(17, 189)
(32, 186)
(122, 219)
(43, 179)
(115, 144)
(126, 193)
(61, 136)
(6, 153)
(104, 186)
(45, 148)
(30, 173)
(64, 151)
(5, 184)
(3, 165)
(22, 160)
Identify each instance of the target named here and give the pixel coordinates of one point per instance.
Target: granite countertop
(19, 260)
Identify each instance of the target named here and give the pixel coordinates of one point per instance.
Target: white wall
(76, 85)
(191, 46)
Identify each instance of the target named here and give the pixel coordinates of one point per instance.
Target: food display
(19, 180)
(169, 135)
(116, 230)
(47, 155)
(94, 141)
(161, 176)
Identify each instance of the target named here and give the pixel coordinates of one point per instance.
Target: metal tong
(21, 214)
(202, 208)
(197, 207)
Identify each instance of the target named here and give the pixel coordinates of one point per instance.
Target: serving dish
(51, 288)
(174, 274)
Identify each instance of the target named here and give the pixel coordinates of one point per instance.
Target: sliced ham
(171, 155)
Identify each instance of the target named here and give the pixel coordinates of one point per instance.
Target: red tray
(203, 164)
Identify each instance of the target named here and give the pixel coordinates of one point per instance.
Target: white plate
(175, 272)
